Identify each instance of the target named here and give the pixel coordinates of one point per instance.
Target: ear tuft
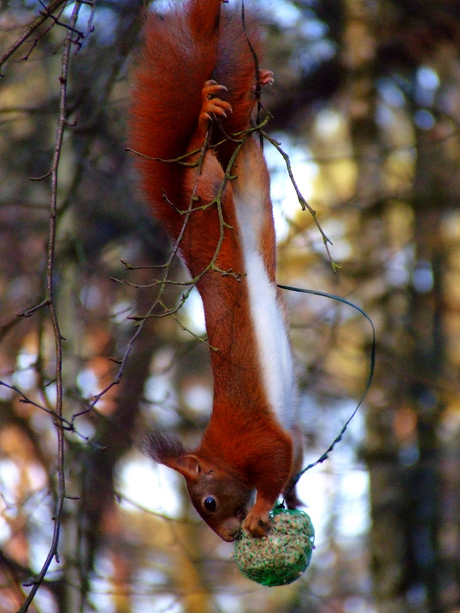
(162, 448)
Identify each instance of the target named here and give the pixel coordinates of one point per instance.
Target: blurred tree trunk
(387, 491)
(408, 500)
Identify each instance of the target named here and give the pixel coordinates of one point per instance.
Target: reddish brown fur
(181, 52)
(244, 447)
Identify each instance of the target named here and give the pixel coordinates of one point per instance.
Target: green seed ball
(283, 555)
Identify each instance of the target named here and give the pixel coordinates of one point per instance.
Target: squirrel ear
(168, 450)
(188, 465)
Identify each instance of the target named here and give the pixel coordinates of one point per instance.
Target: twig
(65, 424)
(303, 203)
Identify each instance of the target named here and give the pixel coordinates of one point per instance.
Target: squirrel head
(220, 497)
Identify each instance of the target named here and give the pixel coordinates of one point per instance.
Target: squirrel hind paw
(212, 106)
(266, 77)
(212, 88)
(218, 107)
(211, 109)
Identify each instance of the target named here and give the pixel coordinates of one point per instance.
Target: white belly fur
(273, 345)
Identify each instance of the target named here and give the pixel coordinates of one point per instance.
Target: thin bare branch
(303, 203)
(49, 10)
(49, 302)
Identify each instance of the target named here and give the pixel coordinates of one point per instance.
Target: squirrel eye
(210, 504)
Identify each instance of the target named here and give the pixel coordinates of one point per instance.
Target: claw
(213, 106)
(212, 88)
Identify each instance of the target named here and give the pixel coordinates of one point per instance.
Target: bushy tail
(182, 49)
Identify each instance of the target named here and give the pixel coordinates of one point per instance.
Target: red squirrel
(194, 93)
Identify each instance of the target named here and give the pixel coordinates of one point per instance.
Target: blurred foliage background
(367, 105)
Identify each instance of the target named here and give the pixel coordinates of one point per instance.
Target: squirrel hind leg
(292, 500)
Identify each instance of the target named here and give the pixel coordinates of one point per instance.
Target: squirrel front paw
(258, 524)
